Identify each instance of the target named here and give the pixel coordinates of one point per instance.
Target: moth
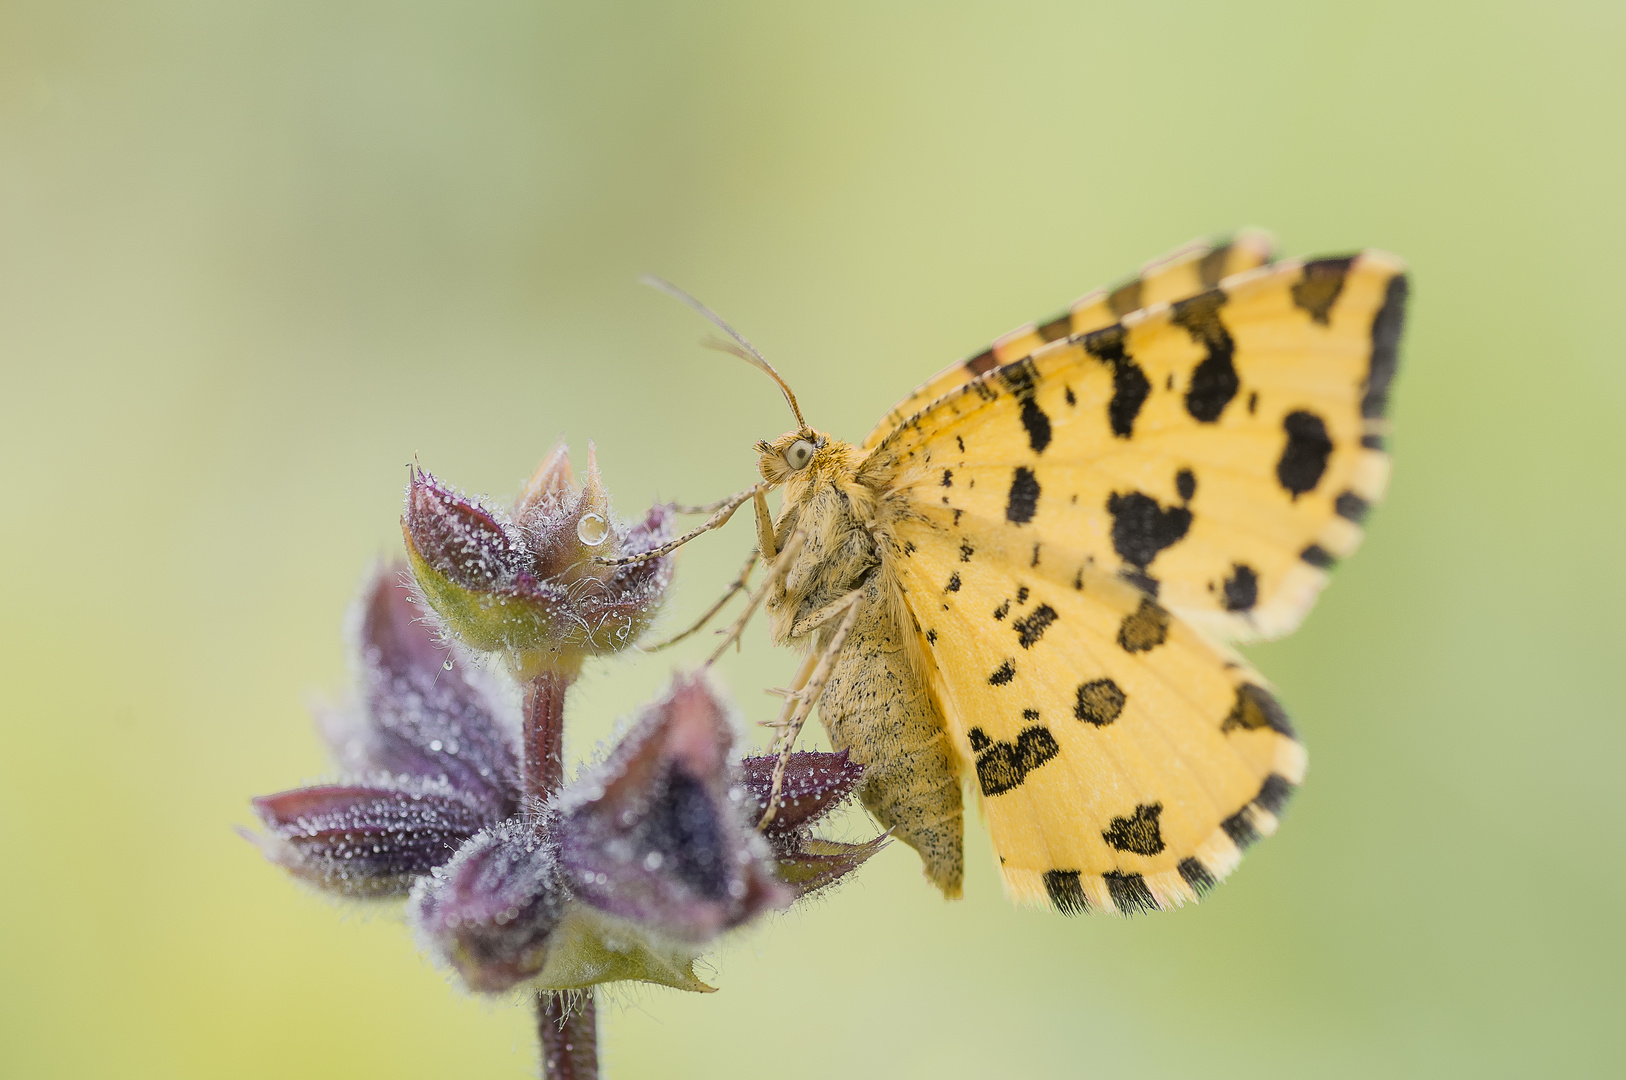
(1033, 571)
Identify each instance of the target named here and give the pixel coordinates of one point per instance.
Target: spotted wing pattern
(1124, 760)
(1187, 270)
(1219, 451)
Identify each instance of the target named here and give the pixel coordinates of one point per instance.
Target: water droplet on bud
(592, 529)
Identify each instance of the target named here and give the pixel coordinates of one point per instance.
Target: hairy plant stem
(568, 1036)
(544, 732)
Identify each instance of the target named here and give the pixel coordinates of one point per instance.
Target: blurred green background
(254, 257)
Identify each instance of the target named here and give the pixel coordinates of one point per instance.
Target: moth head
(792, 455)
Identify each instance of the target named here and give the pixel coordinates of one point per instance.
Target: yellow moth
(1031, 571)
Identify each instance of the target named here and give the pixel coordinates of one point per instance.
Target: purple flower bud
(814, 784)
(661, 834)
(365, 841)
(815, 864)
(532, 587)
(432, 763)
(423, 712)
(490, 911)
(465, 543)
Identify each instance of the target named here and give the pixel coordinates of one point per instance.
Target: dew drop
(592, 529)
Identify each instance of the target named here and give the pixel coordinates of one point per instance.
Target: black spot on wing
(1057, 328)
(1022, 380)
(1125, 298)
(1002, 610)
(1141, 528)
(1130, 387)
(1072, 399)
(1240, 829)
(1372, 442)
(1138, 833)
(1318, 556)
(1003, 674)
(1211, 267)
(1318, 287)
(1129, 892)
(1143, 581)
(1352, 507)
(1100, 702)
(1004, 766)
(982, 363)
(931, 637)
(1214, 382)
(1037, 425)
(966, 551)
(1030, 629)
(1255, 708)
(1274, 794)
(1023, 501)
(1065, 892)
(948, 477)
(1185, 482)
(1386, 329)
(1241, 588)
(953, 582)
(1304, 458)
(1145, 628)
(1197, 876)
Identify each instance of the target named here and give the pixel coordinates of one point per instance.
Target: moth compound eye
(592, 529)
(799, 454)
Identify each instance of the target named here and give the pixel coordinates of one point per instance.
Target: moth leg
(708, 508)
(766, 543)
(809, 623)
(725, 510)
(776, 575)
(806, 697)
(738, 584)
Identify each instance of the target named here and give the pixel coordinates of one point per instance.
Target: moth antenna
(738, 346)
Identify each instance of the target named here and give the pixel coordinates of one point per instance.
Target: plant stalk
(544, 733)
(568, 1037)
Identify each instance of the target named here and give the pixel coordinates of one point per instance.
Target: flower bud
(813, 786)
(489, 913)
(660, 834)
(423, 711)
(430, 763)
(364, 841)
(530, 586)
(629, 874)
